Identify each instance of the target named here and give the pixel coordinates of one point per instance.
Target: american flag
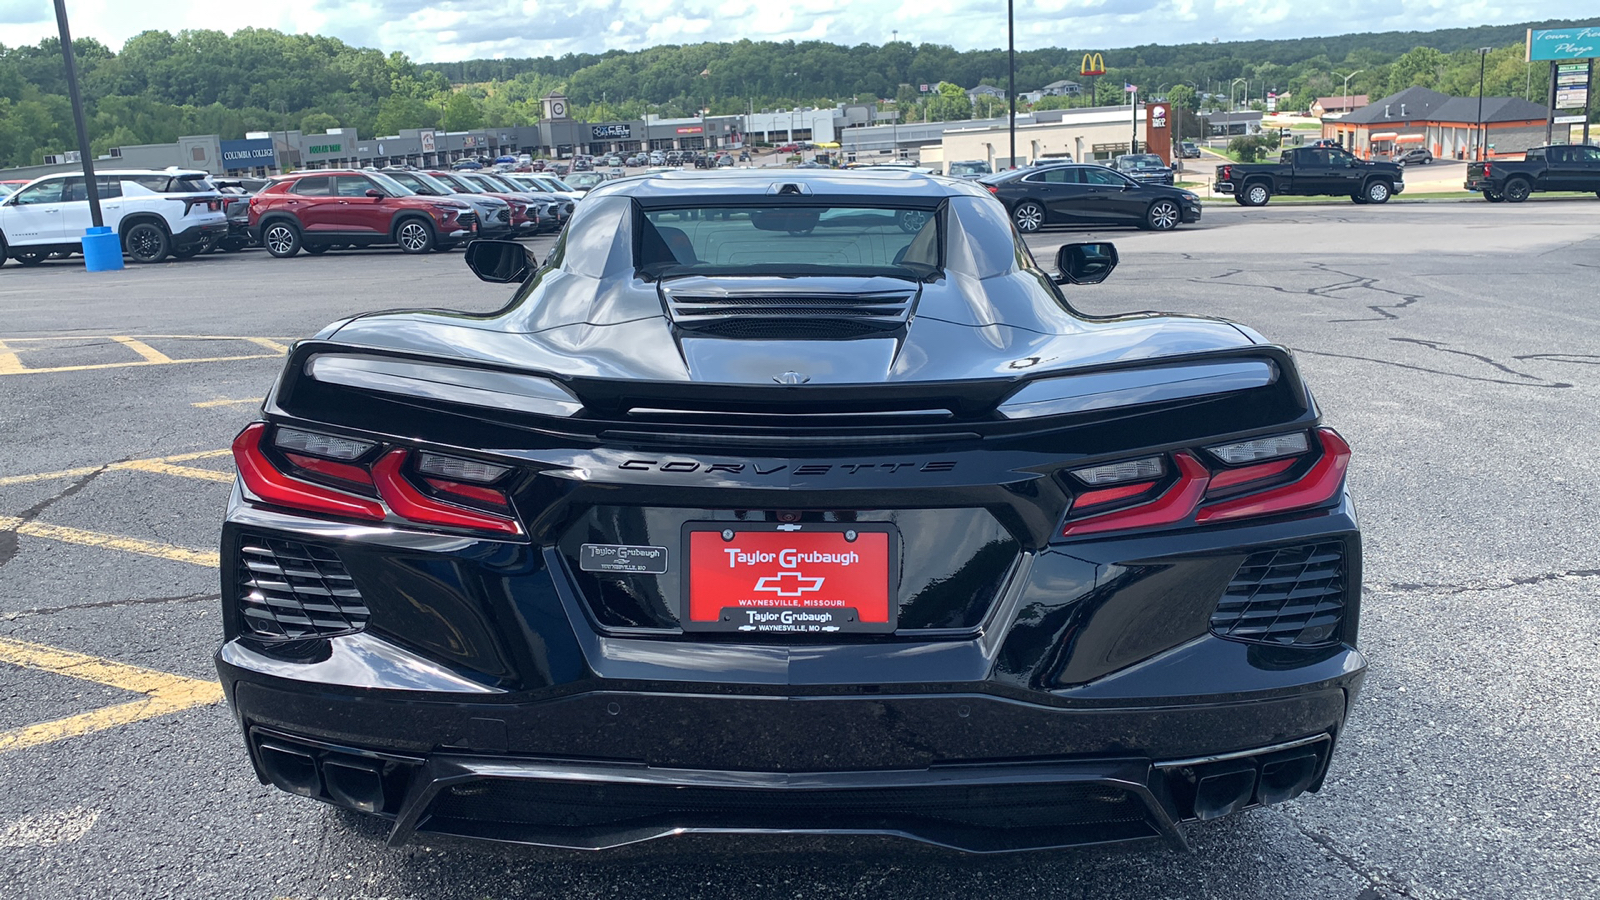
(1130, 88)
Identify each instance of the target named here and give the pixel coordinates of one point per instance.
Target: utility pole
(1483, 133)
(86, 156)
(102, 250)
(1011, 74)
(1133, 140)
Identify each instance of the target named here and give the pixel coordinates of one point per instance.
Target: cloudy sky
(435, 30)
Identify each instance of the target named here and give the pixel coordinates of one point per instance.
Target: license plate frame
(808, 607)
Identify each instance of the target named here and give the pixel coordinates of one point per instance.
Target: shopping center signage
(1563, 44)
(693, 129)
(248, 154)
(611, 132)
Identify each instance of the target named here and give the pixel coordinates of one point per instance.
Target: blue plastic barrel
(102, 250)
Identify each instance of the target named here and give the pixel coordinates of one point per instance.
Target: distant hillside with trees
(163, 85)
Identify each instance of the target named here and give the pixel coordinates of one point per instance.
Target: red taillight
(412, 504)
(1320, 484)
(1227, 173)
(1486, 167)
(475, 493)
(1110, 495)
(330, 469)
(993, 188)
(1174, 504)
(264, 480)
(300, 488)
(1228, 478)
(1246, 491)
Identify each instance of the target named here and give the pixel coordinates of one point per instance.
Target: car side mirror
(1085, 263)
(500, 262)
(375, 193)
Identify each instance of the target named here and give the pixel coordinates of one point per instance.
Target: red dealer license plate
(810, 579)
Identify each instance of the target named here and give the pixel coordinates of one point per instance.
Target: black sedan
(757, 510)
(1089, 195)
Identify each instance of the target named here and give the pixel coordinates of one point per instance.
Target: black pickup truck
(1311, 171)
(1567, 167)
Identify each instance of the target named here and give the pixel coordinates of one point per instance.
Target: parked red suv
(320, 210)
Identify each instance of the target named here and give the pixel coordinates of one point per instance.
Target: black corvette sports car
(791, 502)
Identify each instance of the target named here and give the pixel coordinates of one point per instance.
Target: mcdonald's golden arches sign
(1093, 64)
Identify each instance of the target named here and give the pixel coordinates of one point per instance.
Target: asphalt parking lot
(1453, 344)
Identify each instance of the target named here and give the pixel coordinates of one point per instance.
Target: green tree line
(162, 85)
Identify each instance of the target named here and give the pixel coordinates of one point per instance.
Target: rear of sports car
(993, 614)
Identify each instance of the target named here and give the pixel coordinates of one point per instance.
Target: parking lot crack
(1379, 884)
(106, 604)
(1451, 590)
(9, 546)
(1536, 383)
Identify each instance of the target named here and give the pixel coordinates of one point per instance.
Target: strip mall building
(1445, 125)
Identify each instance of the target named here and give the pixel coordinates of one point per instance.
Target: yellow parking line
(9, 363)
(161, 468)
(270, 344)
(137, 464)
(173, 337)
(224, 401)
(67, 535)
(149, 353)
(164, 693)
(142, 362)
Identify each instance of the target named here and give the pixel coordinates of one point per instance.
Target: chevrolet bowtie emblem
(791, 377)
(789, 584)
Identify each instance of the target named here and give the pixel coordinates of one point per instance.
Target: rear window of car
(190, 184)
(791, 240)
(972, 168)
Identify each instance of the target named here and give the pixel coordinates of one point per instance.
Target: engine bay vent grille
(791, 316)
(1290, 596)
(291, 590)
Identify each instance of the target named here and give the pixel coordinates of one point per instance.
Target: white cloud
(434, 30)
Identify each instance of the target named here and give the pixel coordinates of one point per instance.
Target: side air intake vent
(289, 590)
(1288, 596)
(791, 316)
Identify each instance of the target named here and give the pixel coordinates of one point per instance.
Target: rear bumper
(198, 234)
(1224, 187)
(987, 799)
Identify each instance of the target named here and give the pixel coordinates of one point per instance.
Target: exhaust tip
(290, 769)
(355, 783)
(1285, 778)
(1223, 791)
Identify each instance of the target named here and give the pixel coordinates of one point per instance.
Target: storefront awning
(1410, 139)
(1385, 136)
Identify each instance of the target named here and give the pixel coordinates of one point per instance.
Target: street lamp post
(1483, 57)
(1347, 88)
(1011, 75)
(102, 250)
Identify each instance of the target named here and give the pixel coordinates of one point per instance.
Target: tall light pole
(1011, 75)
(1347, 88)
(1483, 57)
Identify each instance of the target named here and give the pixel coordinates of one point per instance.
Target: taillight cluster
(1223, 483)
(355, 479)
(1226, 174)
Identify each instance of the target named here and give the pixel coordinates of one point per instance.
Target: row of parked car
(179, 213)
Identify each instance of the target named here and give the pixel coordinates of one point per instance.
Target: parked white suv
(177, 212)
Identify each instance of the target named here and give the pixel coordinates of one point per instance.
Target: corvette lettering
(687, 466)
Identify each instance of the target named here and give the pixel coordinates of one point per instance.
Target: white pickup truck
(176, 212)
